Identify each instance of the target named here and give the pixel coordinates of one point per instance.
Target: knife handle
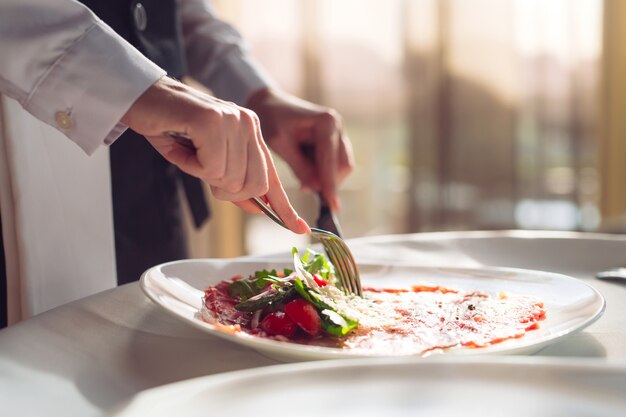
(327, 219)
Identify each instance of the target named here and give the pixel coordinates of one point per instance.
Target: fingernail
(335, 204)
(304, 225)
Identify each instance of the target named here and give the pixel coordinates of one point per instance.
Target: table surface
(90, 355)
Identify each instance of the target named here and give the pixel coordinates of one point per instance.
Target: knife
(327, 219)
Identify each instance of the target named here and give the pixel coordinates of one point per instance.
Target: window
(463, 115)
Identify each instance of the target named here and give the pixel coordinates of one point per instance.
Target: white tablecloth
(88, 356)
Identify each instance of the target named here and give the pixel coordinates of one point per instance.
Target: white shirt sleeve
(69, 69)
(217, 55)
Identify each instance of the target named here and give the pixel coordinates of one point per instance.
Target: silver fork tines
(342, 259)
(336, 249)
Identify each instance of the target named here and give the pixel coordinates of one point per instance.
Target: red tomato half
(277, 323)
(305, 315)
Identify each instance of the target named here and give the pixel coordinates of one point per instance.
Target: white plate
(570, 304)
(364, 388)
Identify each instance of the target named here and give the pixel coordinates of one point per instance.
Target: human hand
(291, 125)
(230, 154)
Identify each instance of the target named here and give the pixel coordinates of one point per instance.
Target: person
(73, 71)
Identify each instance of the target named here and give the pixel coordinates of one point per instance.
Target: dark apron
(147, 213)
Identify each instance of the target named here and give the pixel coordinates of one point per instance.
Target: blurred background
(481, 115)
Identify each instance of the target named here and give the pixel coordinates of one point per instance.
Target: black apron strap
(4, 303)
(196, 199)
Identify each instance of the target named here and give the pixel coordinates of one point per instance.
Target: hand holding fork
(335, 247)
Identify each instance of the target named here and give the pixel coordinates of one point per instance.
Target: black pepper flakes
(471, 307)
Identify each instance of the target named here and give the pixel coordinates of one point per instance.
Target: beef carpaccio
(307, 306)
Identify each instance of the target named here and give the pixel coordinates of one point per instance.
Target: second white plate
(513, 387)
(570, 304)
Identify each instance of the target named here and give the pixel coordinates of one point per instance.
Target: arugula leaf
(269, 298)
(249, 287)
(336, 324)
(301, 289)
(243, 288)
(315, 263)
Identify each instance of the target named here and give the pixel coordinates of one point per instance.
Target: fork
(334, 246)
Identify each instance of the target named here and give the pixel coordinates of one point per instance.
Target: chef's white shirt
(63, 66)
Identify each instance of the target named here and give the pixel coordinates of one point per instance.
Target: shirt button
(140, 16)
(63, 119)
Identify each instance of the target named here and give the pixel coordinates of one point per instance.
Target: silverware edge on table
(617, 274)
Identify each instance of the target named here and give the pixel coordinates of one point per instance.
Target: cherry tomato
(319, 280)
(278, 323)
(304, 315)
